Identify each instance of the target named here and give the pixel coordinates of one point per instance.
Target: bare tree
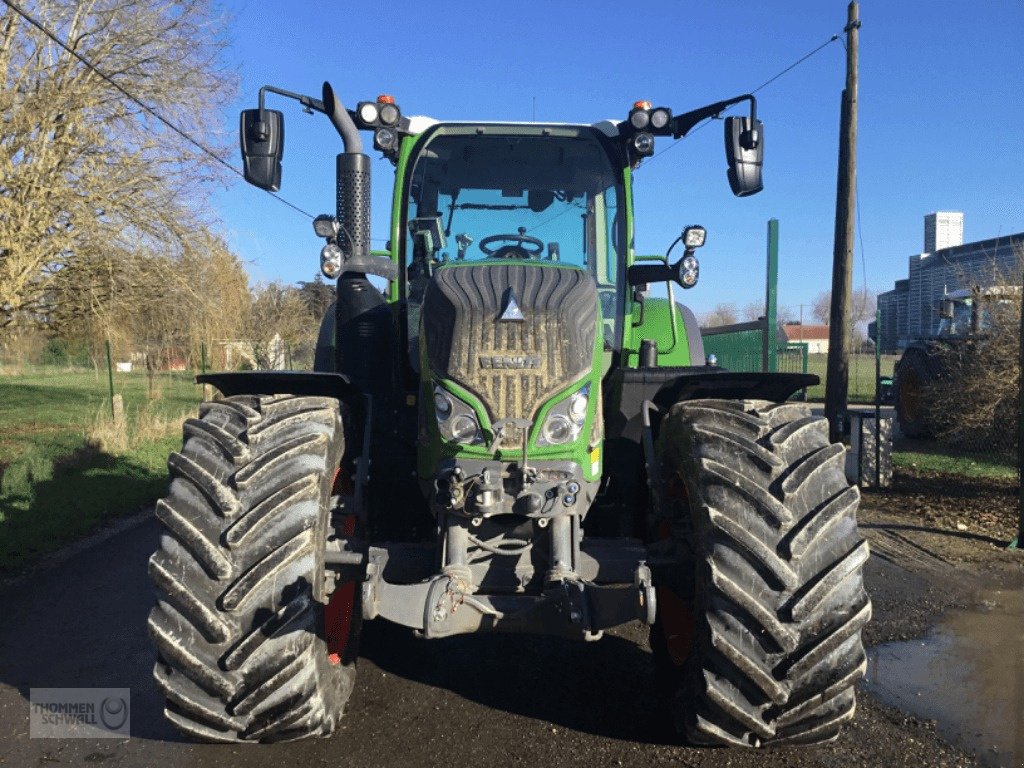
(152, 303)
(85, 171)
(723, 314)
(821, 307)
(862, 308)
(753, 310)
(280, 319)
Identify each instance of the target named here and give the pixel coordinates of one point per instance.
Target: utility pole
(838, 375)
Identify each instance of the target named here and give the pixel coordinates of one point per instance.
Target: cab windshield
(548, 195)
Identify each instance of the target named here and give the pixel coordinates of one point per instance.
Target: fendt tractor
(507, 430)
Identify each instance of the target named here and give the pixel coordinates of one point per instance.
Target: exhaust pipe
(353, 187)
(342, 121)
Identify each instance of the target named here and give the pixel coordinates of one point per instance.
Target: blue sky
(940, 116)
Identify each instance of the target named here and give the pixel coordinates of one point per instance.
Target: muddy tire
(771, 629)
(239, 627)
(913, 377)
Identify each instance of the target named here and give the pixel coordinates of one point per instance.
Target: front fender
(334, 385)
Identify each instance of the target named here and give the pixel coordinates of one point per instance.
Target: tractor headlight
(689, 271)
(464, 429)
(643, 143)
(578, 406)
(385, 140)
(442, 404)
(456, 420)
(557, 430)
(565, 420)
(331, 257)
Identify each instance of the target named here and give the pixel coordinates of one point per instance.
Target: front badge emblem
(511, 311)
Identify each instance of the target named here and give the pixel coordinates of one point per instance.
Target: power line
(766, 83)
(134, 99)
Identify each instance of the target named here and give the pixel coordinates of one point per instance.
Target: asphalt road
(476, 700)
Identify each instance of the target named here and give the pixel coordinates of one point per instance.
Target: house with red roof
(814, 336)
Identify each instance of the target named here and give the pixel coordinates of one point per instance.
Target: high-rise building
(943, 229)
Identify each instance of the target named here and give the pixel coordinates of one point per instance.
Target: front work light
(368, 112)
(326, 225)
(660, 118)
(389, 113)
(384, 112)
(694, 237)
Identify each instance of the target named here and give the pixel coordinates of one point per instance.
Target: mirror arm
(684, 123)
(643, 274)
(307, 101)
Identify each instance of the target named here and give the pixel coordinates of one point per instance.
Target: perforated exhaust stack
(353, 188)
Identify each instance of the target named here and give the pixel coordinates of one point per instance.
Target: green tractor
(516, 435)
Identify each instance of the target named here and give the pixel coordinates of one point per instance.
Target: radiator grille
(513, 366)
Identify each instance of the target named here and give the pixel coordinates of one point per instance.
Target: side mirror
(261, 135)
(744, 149)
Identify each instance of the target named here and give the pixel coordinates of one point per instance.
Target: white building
(943, 229)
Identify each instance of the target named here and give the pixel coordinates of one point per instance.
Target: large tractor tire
(913, 376)
(249, 645)
(766, 646)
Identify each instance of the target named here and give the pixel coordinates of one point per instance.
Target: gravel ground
(493, 700)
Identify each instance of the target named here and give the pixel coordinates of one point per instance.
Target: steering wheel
(515, 249)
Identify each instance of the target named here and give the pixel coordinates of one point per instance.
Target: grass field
(951, 464)
(64, 469)
(862, 376)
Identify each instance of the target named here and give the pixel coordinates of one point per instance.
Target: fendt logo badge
(503, 361)
(511, 311)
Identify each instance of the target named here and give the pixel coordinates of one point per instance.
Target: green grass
(956, 464)
(862, 376)
(55, 485)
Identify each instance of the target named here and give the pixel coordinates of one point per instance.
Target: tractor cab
(972, 311)
(540, 196)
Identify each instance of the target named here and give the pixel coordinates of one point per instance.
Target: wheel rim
(675, 615)
(339, 614)
(677, 625)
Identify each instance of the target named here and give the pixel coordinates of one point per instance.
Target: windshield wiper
(488, 207)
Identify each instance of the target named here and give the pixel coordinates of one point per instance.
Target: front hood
(512, 334)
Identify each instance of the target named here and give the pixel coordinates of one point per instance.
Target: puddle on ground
(967, 675)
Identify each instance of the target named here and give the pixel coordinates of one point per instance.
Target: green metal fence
(754, 346)
(737, 347)
(744, 350)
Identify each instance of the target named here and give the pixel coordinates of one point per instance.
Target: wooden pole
(837, 379)
(1018, 542)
